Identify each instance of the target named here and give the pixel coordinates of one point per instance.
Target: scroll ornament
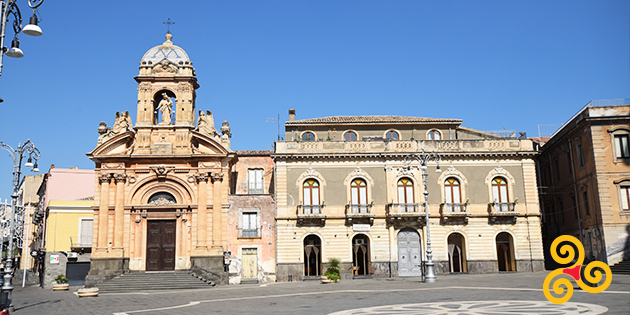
(563, 286)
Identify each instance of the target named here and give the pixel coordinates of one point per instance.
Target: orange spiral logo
(562, 286)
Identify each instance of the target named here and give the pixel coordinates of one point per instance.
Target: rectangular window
(621, 146)
(249, 227)
(585, 199)
(85, 232)
(580, 155)
(255, 181)
(625, 198)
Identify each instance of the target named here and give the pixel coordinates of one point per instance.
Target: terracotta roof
(381, 119)
(253, 152)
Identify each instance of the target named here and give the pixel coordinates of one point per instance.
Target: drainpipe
(575, 195)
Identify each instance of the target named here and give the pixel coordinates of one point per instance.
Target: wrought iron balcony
(249, 233)
(454, 210)
(359, 211)
(405, 210)
(503, 210)
(311, 213)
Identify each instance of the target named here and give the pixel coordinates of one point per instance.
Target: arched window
(405, 195)
(358, 191)
(452, 195)
(500, 194)
(311, 192)
(434, 135)
(308, 136)
(350, 136)
(499, 190)
(391, 135)
(162, 198)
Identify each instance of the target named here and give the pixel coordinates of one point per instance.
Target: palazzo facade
(348, 187)
(162, 185)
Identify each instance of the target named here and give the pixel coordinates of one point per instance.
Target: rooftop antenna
(168, 25)
(275, 120)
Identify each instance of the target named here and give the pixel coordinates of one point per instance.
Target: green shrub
(334, 269)
(61, 279)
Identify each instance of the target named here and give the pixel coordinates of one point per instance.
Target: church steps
(137, 282)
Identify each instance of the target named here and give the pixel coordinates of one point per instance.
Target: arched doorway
(361, 254)
(456, 253)
(409, 254)
(505, 252)
(312, 256)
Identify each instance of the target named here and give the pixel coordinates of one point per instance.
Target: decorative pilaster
(217, 211)
(202, 211)
(119, 210)
(103, 210)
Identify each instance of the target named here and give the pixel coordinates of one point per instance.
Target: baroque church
(161, 194)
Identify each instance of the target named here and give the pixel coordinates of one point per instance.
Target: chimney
(291, 114)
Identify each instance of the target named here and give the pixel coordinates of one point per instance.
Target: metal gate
(409, 257)
(76, 272)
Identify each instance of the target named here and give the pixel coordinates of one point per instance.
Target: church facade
(162, 185)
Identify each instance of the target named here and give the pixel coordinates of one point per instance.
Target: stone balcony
(380, 146)
(454, 211)
(311, 214)
(503, 211)
(360, 212)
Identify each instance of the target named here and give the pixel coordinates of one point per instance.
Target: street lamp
(423, 159)
(9, 7)
(28, 148)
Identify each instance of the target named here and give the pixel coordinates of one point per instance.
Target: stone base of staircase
(622, 268)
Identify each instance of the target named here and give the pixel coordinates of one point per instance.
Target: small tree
(333, 271)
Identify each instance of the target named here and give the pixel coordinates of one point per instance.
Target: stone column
(202, 211)
(119, 210)
(103, 210)
(217, 211)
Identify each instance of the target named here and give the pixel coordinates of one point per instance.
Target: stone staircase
(622, 268)
(138, 282)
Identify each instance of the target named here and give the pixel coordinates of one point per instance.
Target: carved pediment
(204, 144)
(121, 144)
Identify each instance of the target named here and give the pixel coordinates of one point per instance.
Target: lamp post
(9, 7)
(28, 148)
(423, 159)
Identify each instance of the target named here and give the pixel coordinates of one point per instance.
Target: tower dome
(168, 51)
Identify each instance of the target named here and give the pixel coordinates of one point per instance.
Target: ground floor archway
(505, 252)
(361, 254)
(312, 256)
(456, 253)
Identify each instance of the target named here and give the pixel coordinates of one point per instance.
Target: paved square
(514, 293)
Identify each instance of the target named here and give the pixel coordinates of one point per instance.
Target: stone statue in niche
(205, 124)
(122, 124)
(166, 108)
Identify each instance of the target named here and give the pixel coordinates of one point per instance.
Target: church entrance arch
(360, 254)
(312, 256)
(505, 252)
(409, 254)
(456, 253)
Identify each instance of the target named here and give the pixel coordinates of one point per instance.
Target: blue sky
(495, 64)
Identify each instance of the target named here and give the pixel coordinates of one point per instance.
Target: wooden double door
(160, 245)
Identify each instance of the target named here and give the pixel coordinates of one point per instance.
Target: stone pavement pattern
(453, 294)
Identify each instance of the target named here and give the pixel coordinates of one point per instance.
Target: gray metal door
(409, 258)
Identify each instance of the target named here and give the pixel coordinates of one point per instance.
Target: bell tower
(166, 100)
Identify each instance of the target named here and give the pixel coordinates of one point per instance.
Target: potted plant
(61, 283)
(332, 274)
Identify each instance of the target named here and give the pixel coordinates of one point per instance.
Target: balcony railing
(355, 211)
(405, 209)
(249, 233)
(498, 144)
(309, 209)
(503, 208)
(454, 210)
